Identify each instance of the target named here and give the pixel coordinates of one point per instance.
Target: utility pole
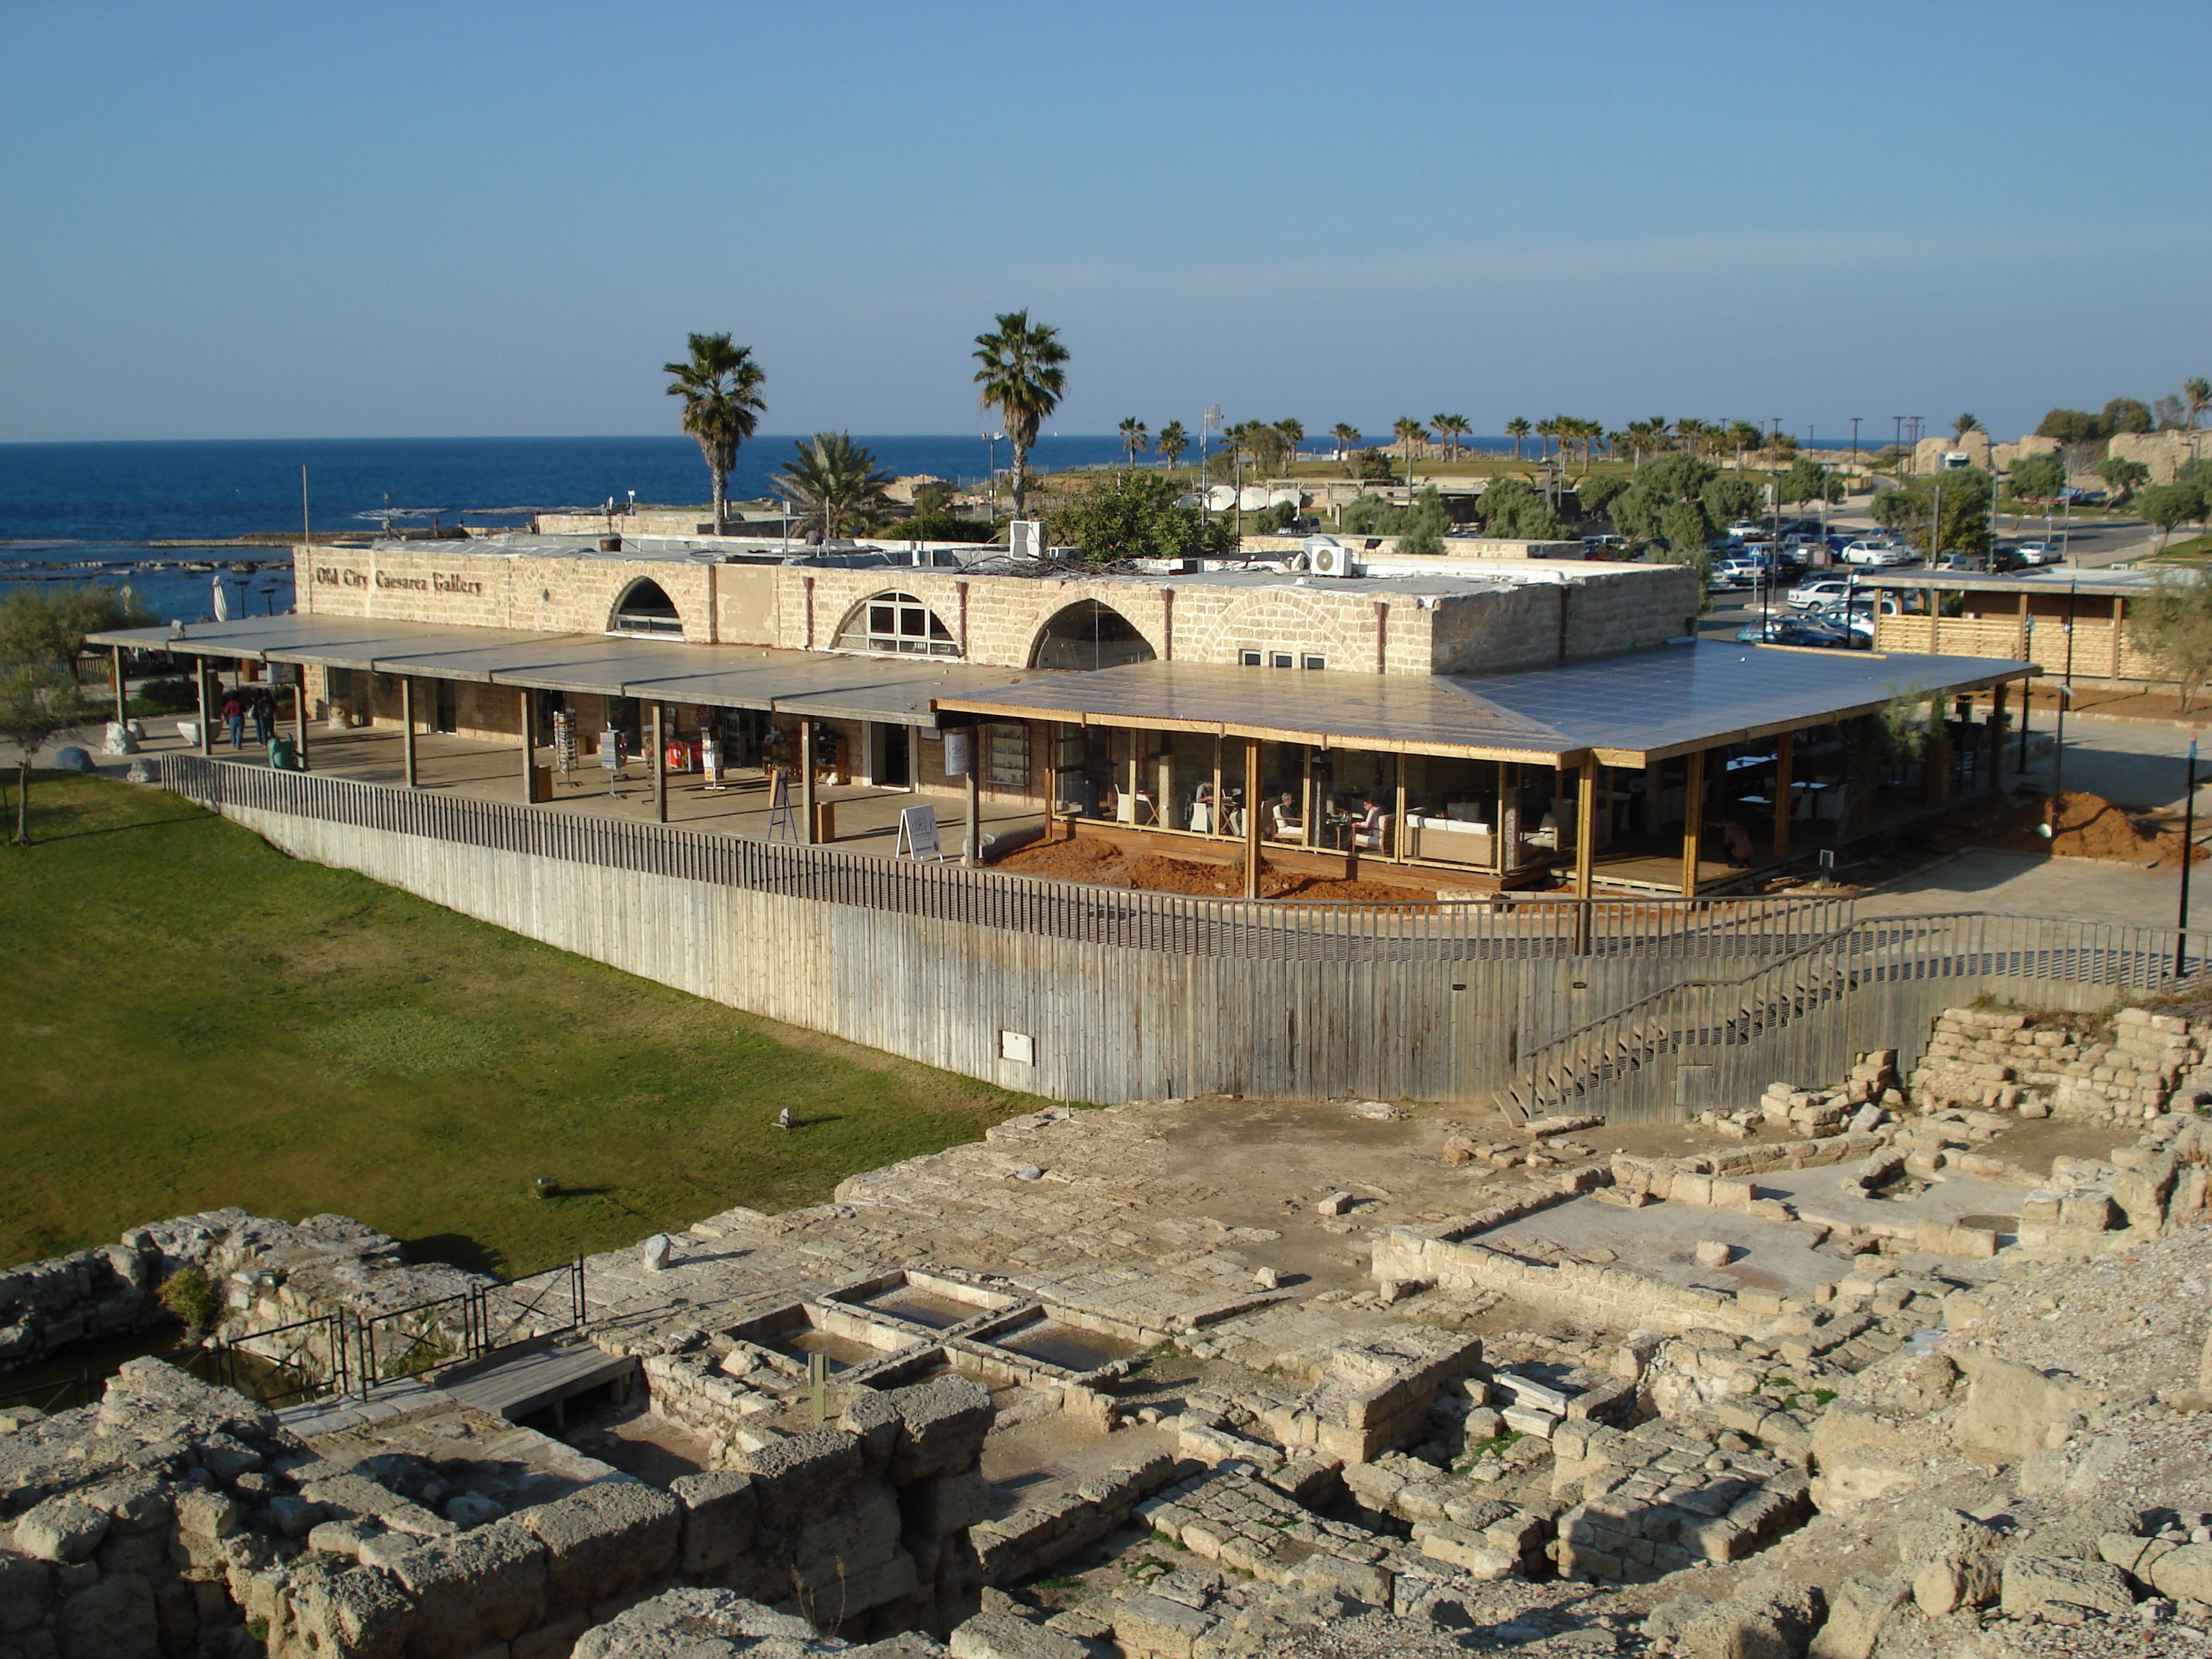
(2188, 853)
(1855, 441)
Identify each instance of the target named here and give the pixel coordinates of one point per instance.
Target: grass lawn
(194, 1019)
(2195, 551)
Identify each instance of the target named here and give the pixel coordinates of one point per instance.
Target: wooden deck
(514, 1384)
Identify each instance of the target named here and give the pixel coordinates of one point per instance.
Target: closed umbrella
(221, 601)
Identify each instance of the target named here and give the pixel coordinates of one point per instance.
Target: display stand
(564, 746)
(783, 821)
(710, 764)
(610, 760)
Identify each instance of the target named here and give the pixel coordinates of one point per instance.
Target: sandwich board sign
(917, 832)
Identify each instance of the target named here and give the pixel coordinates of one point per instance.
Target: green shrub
(170, 694)
(190, 1296)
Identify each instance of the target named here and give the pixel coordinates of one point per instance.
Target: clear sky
(354, 220)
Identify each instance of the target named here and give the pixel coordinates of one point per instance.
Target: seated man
(1287, 825)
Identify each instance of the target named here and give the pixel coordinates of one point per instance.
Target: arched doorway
(646, 607)
(1088, 635)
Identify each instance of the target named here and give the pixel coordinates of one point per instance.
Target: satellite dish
(1221, 497)
(1190, 501)
(1251, 498)
(1285, 498)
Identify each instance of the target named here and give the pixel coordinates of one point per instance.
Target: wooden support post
(1397, 849)
(2021, 650)
(1928, 600)
(207, 715)
(2027, 709)
(806, 778)
(1997, 736)
(2119, 620)
(971, 840)
(1585, 851)
(1693, 820)
(1785, 766)
(407, 726)
(299, 712)
(1251, 818)
(122, 703)
(529, 747)
(659, 764)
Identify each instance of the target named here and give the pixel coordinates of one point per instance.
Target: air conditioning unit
(1331, 562)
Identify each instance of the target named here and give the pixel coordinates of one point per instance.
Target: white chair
(1286, 828)
(1374, 834)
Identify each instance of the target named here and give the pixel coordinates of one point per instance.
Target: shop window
(1281, 660)
(646, 607)
(1248, 659)
(898, 623)
(1006, 756)
(1314, 662)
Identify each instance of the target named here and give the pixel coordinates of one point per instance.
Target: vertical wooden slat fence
(1130, 994)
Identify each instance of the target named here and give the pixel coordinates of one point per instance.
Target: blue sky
(334, 219)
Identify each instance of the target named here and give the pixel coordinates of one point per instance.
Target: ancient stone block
(25, 1591)
(61, 1529)
(801, 1479)
(605, 1540)
(1002, 1635)
(114, 1618)
(945, 1503)
(2034, 1581)
(474, 1589)
(718, 1520)
(945, 1421)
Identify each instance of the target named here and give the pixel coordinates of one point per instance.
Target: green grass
(194, 1019)
(2195, 550)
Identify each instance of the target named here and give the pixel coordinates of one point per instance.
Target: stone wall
(1617, 1298)
(2008, 1062)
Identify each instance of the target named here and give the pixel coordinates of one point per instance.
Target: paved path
(2021, 884)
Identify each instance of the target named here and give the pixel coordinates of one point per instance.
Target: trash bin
(825, 821)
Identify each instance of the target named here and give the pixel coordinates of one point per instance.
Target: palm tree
(1451, 428)
(1517, 429)
(2197, 394)
(1172, 441)
(1346, 435)
(1023, 379)
(1743, 435)
(1293, 433)
(1545, 430)
(1965, 424)
(1409, 432)
(721, 385)
(833, 477)
(1133, 439)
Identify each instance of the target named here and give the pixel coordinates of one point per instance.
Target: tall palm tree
(1965, 424)
(2197, 395)
(1409, 432)
(1172, 441)
(720, 384)
(1517, 429)
(1293, 433)
(1347, 436)
(1743, 435)
(1022, 379)
(1133, 439)
(833, 479)
(1452, 428)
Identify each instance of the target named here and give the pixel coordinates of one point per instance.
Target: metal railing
(1488, 927)
(1711, 1040)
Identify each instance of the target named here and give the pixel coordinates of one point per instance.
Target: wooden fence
(1057, 988)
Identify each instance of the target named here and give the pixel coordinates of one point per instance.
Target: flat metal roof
(901, 690)
(1628, 710)
(2118, 582)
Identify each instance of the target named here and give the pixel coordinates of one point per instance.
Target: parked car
(1815, 595)
(2082, 497)
(1878, 553)
(1998, 562)
(1731, 575)
(1744, 530)
(2035, 553)
(1792, 630)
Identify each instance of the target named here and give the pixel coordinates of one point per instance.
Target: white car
(2040, 552)
(1818, 595)
(1728, 574)
(1877, 553)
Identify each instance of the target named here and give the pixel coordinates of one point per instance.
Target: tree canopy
(719, 385)
(1806, 480)
(1965, 504)
(1023, 378)
(2169, 505)
(46, 627)
(2038, 478)
(1134, 515)
(833, 479)
(2172, 624)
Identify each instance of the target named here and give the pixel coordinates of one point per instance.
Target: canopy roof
(1628, 710)
(826, 685)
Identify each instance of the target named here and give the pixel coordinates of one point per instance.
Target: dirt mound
(1162, 875)
(1080, 860)
(2088, 826)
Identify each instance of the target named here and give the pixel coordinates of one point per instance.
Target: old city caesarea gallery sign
(346, 575)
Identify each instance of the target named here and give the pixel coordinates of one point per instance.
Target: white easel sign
(917, 834)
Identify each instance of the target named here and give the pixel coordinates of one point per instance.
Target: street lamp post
(1855, 441)
(2188, 853)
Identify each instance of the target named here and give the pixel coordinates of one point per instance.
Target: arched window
(897, 622)
(646, 607)
(1089, 635)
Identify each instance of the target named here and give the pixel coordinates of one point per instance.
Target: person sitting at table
(1288, 826)
(1367, 827)
(1738, 839)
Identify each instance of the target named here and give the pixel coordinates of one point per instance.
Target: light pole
(1855, 441)
(1897, 445)
(2065, 696)
(2188, 851)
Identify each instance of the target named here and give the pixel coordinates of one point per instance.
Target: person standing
(234, 718)
(265, 716)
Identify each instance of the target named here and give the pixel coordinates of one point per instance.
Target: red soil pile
(2090, 827)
